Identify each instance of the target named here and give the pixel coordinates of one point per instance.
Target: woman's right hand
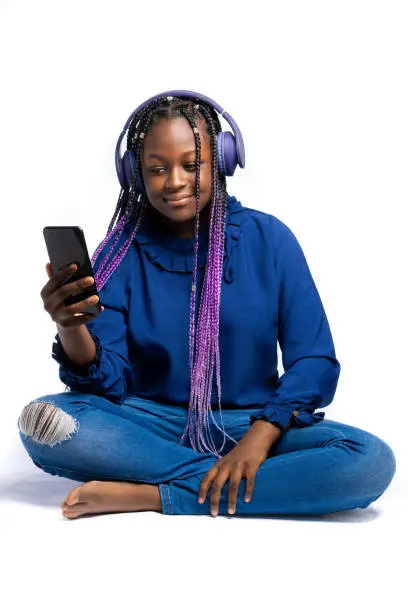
(54, 293)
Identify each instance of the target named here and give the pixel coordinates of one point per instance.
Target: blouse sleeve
(111, 371)
(311, 369)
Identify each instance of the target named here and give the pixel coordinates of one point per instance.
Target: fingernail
(230, 510)
(200, 500)
(214, 512)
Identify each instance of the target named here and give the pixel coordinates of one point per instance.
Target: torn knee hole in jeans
(46, 423)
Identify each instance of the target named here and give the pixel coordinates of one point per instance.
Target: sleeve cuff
(77, 372)
(283, 417)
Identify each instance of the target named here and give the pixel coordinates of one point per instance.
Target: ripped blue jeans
(318, 469)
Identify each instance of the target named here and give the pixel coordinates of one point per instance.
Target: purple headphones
(231, 150)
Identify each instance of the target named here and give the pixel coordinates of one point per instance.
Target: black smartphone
(66, 245)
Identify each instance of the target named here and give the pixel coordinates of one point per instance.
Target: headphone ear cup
(227, 153)
(128, 168)
(132, 172)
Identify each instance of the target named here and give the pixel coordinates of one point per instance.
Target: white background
(319, 90)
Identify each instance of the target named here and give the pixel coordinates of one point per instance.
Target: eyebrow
(161, 157)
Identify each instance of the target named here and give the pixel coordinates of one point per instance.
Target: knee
(46, 423)
(381, 463)
(387, 461)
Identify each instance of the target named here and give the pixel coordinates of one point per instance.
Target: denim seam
(167, 488)
(113, 478)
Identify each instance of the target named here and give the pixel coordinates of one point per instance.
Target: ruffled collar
(169, 252)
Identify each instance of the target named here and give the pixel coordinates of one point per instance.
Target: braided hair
(131, 207)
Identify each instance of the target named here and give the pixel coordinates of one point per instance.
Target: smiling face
(168, 170)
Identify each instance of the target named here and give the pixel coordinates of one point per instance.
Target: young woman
(160, 378)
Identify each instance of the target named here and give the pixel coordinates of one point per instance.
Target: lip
(178, 201)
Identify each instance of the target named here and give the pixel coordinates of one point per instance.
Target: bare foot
(98, 497)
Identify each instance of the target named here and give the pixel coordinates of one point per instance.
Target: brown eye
(190, 167)
(193, 164)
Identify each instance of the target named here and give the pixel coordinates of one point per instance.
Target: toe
(74, 497)
(70, 515)
(74, 512)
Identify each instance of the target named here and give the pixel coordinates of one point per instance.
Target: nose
(176, 179)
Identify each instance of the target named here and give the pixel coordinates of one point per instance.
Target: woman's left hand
(243, 461)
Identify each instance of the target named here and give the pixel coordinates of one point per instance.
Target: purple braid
(131, 206)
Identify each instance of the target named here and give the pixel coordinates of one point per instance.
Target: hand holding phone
(55, 292)
(67, 302)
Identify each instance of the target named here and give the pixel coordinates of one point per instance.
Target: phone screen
(65, 245)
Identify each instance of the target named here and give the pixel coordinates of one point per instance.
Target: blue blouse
(268, 295)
